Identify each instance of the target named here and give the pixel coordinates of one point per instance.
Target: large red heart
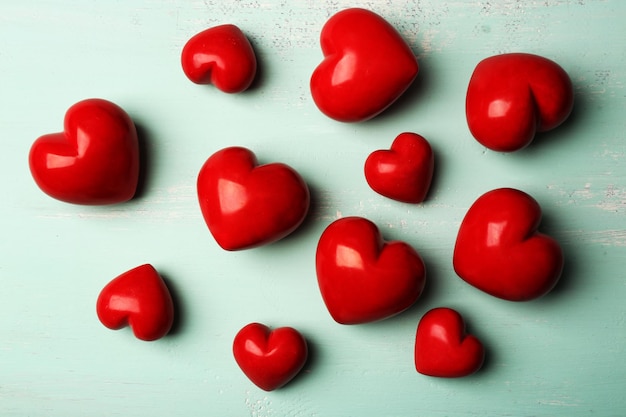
(499, 250)
(404, 172)
(95, 160)
(222, 56)
(442, 347)
(366, 67)
(363, 278)
(246, 205)
(511, 97)
(269, 358)
(140, 299)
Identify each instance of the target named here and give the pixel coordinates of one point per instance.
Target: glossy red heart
(499, 250)
(222, 56)
(140, 299)
(246, 205)
(367, 66)
(95, 160)
(404, 172)
(269, 358)
(511, 97)
(363, 278)
(442, 347)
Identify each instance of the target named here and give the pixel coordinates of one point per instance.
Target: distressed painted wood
(562, 355)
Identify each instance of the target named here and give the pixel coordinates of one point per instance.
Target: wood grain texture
(562, 355)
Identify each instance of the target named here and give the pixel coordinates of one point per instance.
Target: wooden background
(562, 355)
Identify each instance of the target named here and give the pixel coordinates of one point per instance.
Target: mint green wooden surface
(562, 355)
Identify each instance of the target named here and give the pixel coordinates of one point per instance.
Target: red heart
(443, 349)
(361, 277)
(499, 250)
(95, 160)
(222, 56)
(403, 173)
(366, 67)
(140, 299)
(510, 97)
(245, 205)
(269, 358)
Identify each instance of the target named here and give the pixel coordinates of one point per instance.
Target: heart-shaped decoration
(140, 299)
(442, 347)
(270, 358)
(513, 96)
(363, 278)
(246, 205)
(367, 66)
(499, 250)
(94, 161)
(404, 172)
(222, 56)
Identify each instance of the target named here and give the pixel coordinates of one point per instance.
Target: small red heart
(499, 250)
(511, 97)
(443, 349)
(246, 205)
(222, 56)
(366, 67)
(269, 358)
(404, 172)
(363, 278)
(140, 299)
(95, 160)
